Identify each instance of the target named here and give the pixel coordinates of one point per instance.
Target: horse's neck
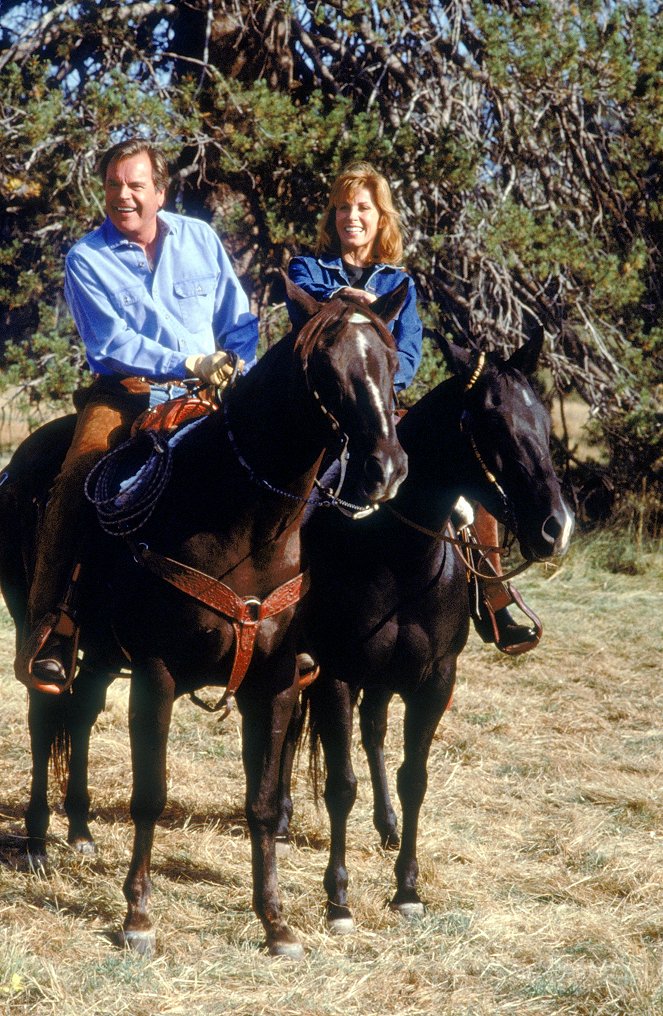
(437, 467)
(272, 421)
(234, 472)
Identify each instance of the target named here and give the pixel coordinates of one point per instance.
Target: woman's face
(357, 224)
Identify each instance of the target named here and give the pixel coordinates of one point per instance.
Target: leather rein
(461, 546)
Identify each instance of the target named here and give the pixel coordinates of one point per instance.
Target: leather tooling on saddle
(168, 417)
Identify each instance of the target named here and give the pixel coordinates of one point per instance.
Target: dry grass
(541, 847)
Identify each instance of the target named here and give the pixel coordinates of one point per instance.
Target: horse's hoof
(391, 841)
(282, 846)
(408, 910)
(141, 942)
(35, 863)
(86, 847)
(340, 925)
(339, 919)
(288, 950)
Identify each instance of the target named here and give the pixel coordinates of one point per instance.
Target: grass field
(541, 846)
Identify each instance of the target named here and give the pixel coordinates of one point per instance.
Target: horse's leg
(44, 720)
(264, 726)
(423, 710)
(331, 721)
(373, 725)
(285, 781)
(150, 709)
(87, 700)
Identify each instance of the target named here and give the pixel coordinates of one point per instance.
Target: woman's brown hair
(388, 247)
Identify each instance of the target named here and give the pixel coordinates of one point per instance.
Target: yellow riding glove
(215, 368)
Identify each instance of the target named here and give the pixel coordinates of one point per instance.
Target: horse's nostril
(373, 471)
(551, 529)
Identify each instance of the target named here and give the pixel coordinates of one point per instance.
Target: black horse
(210, 585)
(388, 611)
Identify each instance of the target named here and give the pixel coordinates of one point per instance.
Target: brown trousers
(111, 405)
(485, 530)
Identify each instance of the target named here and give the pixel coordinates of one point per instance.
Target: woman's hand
(360, 295)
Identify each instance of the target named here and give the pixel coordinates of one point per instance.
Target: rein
(462, 547)
(332, 499)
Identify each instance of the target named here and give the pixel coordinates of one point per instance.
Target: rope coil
(127, 483)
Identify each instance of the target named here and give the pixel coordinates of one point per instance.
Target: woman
(358, 249)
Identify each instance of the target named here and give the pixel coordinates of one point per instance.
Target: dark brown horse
(225, 534)
(397, 591)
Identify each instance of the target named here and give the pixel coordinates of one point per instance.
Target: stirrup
(487, 626)
(308, 669)
(54, 623)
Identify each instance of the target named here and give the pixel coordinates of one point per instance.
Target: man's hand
(216, 368)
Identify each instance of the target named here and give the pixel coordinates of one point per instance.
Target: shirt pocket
(130, 305)
(126, 299)
(194, 299)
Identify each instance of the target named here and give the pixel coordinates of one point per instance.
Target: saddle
(168, 417)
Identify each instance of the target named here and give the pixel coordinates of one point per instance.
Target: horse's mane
(334, 315)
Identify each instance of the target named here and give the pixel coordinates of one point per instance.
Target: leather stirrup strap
(244, 612)
(57, 622)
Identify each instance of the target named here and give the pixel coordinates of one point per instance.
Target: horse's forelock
(338, 312)
(309, 335)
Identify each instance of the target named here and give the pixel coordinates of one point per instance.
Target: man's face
(132, 200)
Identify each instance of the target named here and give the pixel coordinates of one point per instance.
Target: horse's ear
(459, 361)
(526, 357)
(387, 307)
(306, 303)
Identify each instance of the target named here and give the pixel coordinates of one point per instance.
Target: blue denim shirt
(141, 322)
(323, 277)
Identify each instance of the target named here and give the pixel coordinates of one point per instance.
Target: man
(155, 300)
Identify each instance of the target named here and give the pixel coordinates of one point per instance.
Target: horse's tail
(308, 729)
(50, 733)
(61, 744)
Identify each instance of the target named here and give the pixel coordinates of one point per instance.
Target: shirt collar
(114, 238)
(332, 262)
(337, 262)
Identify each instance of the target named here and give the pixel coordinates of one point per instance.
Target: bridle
(464, 548)
(330, 497)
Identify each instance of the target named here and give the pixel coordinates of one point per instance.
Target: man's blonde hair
(388, 246)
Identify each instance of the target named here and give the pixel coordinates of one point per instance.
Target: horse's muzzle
(552, 538)
(383, 475)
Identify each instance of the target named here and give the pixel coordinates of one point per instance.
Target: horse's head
(507, 429)
(349, 360)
